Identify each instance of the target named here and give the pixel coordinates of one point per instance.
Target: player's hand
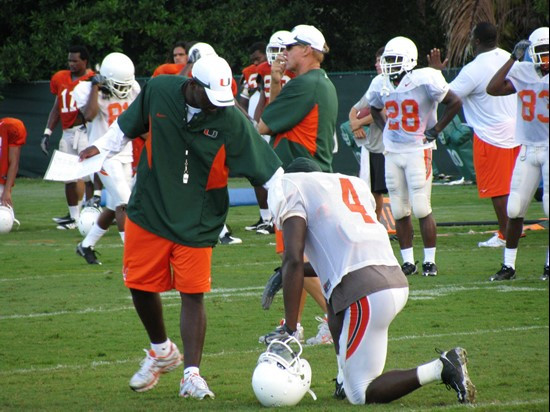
(98, 79)
(273, 285)
(434, 60)
(519, 49)
(45, 144)
(431, 134)
(90, 151)
(278, 68)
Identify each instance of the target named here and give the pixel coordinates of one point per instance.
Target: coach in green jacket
(179, 203)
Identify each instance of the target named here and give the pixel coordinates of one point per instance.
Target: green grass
(70, 339)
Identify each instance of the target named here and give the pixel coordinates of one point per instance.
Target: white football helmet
(118, 70)
(88, 218)
(7, 218)
(199, 50)
(538, 50)
(281, 377)
(275, 47)
(400, 56)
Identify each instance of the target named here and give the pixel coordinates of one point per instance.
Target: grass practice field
(71, 340)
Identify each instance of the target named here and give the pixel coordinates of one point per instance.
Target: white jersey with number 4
(532, 92)
(411, 107)
(343, 234)
(110, 107)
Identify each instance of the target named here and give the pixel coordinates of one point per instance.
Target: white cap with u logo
(214, 74)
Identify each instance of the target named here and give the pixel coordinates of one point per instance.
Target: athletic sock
(265, 215)
(93, 236)
(74, 211)
(429, 372)
(408, 255)
(161, 349)
(510, 257)
(429, 254)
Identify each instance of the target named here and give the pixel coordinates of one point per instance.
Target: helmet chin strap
(312, 394)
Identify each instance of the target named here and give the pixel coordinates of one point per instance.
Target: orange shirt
(168, 68)
(12, 133)
(62, 85)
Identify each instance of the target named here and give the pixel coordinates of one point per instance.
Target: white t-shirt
(493, 118)
(373, 143)
(343, 234)
(411, 107)
(110, 107)
(532, 98)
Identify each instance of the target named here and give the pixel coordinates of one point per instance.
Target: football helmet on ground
(88, 218)
(281, 377)
(400, 56)
(118, 70)
(7, 218)
(538, 50)
(275, 46)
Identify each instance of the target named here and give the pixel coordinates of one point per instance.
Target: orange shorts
(494, 167)
(279, 243)
(155, 264)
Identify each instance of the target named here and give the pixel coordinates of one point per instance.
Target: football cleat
(273, 285)
(254, 227)
(67, 225)
(429, 269)
(323, 336)
(63, 219)
(279, 333)
(505, 273)
(227, 239)
(194, 386)
(496, 241)
(266, 228)
(87, 253)
(545, 273)
(455, 374)
(339, 392)
(409, 268)
(152, 367)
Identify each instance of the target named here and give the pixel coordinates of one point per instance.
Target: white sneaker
(323, 335)
(195, 387)
(152, 367)
(495, 241)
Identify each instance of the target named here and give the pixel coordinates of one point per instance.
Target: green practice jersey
(181, 183)
(303, 116)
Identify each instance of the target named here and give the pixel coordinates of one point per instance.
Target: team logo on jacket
(210, 133)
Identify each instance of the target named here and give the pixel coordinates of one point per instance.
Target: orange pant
(155, 264)
(494, 167)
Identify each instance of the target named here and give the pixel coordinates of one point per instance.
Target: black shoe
(227, 239)
(67, 225)
(409, 268)
(505, 273)
(254, 227)
(339, 390)
(266, 228)
(64, 219)
(545, 273)
(455, 374)
(273, 285)
(87, 253)
(429, 269)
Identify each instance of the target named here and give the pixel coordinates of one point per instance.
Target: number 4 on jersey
(351, 200)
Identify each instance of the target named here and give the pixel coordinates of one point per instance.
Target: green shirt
(191, 213)
(303, 116)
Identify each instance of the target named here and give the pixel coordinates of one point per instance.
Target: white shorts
(364, 339)
(73, 141)
(117, 180)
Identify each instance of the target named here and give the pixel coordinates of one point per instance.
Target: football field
(71, 340)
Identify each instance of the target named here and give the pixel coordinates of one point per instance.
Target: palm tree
(515, 20)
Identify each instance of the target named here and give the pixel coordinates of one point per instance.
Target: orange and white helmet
(538, 50)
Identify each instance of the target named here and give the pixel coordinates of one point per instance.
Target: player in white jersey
(493, 120)
(102, 100)
(410, 98)
(530, 81)
(331, 217)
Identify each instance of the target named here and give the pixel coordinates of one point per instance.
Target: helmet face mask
(281, 377)
(118, 70)
(538, 50)
(275, 47)
(399, 57)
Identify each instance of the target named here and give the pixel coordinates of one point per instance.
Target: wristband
(47, 131)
